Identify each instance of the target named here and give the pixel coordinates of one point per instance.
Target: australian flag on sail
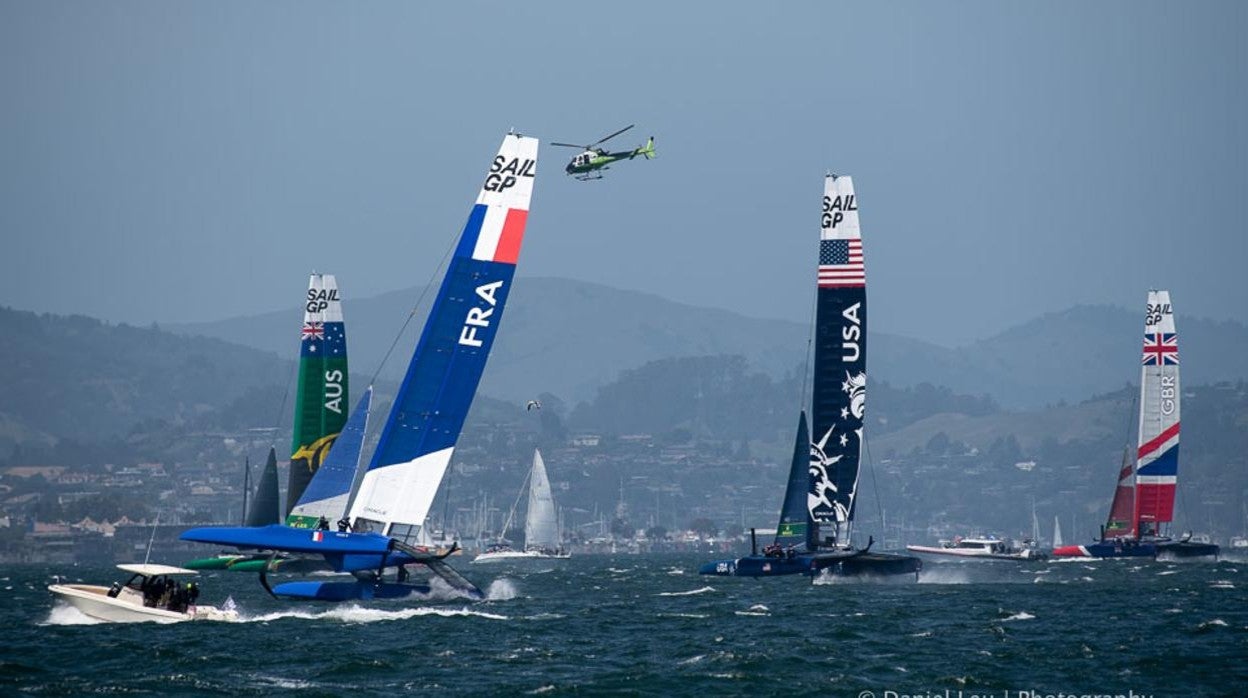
(840, 264)
(328, 339)
(1161, 348)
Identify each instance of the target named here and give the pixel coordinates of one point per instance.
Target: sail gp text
(1008, 693)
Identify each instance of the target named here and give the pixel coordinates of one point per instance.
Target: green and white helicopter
(590, 163)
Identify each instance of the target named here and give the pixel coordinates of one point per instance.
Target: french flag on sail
(493, 234)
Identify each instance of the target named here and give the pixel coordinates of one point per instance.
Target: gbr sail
(839, 382)
(321, 402)
(420, 433)
(1157, 458)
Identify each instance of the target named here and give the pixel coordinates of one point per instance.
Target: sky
(175, 161)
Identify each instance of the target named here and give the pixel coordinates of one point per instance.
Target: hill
(571, 337)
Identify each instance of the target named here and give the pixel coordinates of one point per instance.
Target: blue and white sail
(329, 492)
(419, 436)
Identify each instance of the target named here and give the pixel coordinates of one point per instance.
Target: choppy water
(651, 625)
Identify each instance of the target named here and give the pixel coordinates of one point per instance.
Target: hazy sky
(193, 161)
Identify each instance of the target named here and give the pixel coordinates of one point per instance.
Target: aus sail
(321, 402)
(840, 367)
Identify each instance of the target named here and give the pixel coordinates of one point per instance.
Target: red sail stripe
(513, 234)
(1156, 442)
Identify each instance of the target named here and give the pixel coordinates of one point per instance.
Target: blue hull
(1108, 549)
(346, 591)
(858, 564)
(761, 566)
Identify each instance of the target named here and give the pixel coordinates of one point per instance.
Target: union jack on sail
(313, 330)
(1161, 348)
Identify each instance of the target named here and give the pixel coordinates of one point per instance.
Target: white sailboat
(541, 525)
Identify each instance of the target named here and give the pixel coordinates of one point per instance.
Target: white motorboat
(153, 593)
(987, 547)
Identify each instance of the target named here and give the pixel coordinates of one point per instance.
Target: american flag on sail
(313, 330)
(840, 264)
(1161, 348)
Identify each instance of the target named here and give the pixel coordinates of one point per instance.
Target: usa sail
(823, 480)
(321, 402)
(419, 436)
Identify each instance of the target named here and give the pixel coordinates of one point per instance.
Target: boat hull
(1023, 556)
(839, 564)
(517, 556)
(127, 607)
(1186, 550)
(347, 591)
(1108, 550)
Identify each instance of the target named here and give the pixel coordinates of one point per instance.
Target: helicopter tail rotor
(646, 150)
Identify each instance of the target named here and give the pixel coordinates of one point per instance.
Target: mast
(839, 383)
(419, 435)
(1157, 458)
(321, 402)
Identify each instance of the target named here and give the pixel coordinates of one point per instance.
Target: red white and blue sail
(1157, 459)
(838, 389)
(420, 434)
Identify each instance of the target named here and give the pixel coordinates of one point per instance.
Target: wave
(1021, 615)
(501, 590)
(64, 614)
(359, 614)
(692, 592)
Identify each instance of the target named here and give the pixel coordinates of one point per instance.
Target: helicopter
(590, 163)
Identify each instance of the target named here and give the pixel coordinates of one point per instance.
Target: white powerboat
(153, 593)
(987, 548)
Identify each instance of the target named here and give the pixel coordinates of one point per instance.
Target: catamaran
(818, 509)
(394, 495)
(541, 524)
(320, 414)
(1143, 504)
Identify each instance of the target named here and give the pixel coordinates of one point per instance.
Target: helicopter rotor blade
(572, 145)
(607, 138)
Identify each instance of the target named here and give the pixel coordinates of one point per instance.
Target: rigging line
(277, 419)
(879, 508)
(510, 515)
(810, 341)
(436, 272)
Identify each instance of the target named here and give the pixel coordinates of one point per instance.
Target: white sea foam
(1221, 584)
(757, 609)
(692, 660)
(1215, 623)
(682, 615)
(675, 570)
(359, 614)
(692, 592)
(944, 575)
(1166, 572)
(1021, 615)
(64, 614)
(501, 589)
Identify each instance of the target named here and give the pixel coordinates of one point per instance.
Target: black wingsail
(792, 529)
(840, 367)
